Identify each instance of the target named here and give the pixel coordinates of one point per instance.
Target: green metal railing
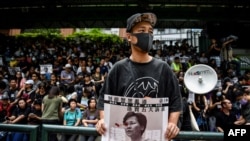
(31, 129)
(92, 131)
(202, 135)
(47, 128)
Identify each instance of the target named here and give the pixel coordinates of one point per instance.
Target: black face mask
(144, 41)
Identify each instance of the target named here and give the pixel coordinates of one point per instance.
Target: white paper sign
(127, 118)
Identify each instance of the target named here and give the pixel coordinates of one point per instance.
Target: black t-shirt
(33, 120)
(18, 111)
(12, 94)
(223, 120)
(214, 52)
(153, 79)
(39, 97)
(246, 112)
(89, 88)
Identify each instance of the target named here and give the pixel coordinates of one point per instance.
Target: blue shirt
(72, 116)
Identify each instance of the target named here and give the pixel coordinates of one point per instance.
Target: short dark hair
(42, 84)
(141, 118)
(72, 100)
(37, 102)
(54, 91)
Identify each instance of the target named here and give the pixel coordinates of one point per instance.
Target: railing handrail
(48, 128)
(92, 131)
(200, 135)
(32, 129)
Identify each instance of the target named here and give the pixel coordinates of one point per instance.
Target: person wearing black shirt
(226, 117)
(139, 69)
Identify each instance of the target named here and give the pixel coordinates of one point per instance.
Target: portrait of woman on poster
(135, 125)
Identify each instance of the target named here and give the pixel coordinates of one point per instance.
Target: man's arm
(174, 117)
(175, 109)
(101, 113)
(172, 128)
(227, 42)
(100, 126)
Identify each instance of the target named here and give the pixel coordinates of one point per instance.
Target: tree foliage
(89, 36)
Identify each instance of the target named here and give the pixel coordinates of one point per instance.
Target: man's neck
(140, 57)
(226, 111)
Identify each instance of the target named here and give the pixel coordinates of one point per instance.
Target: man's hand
(172, 131)
(100, 127)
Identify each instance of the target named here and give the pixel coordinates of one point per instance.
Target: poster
(121, 124)
(44, 69)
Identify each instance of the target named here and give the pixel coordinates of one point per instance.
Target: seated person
(5, 107)
(90, 118)
(72, 117)
(36, 113)
(19, 116)
(226, 116)
(244, 100)
(82, 101)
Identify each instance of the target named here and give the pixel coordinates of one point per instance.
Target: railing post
(44, 133)
(33, 135)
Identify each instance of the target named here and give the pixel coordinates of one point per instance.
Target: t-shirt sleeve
(84, 115)
(175, 98)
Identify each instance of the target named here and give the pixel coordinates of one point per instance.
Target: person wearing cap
(141, 68)
(27, 92)
(68, 76)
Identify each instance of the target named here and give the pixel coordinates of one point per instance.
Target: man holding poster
(140, 83)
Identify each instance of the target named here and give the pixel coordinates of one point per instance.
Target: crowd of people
(67, 94)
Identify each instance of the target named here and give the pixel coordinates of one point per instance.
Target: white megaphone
(200, 79)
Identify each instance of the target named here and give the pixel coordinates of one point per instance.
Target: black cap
(140, 17)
